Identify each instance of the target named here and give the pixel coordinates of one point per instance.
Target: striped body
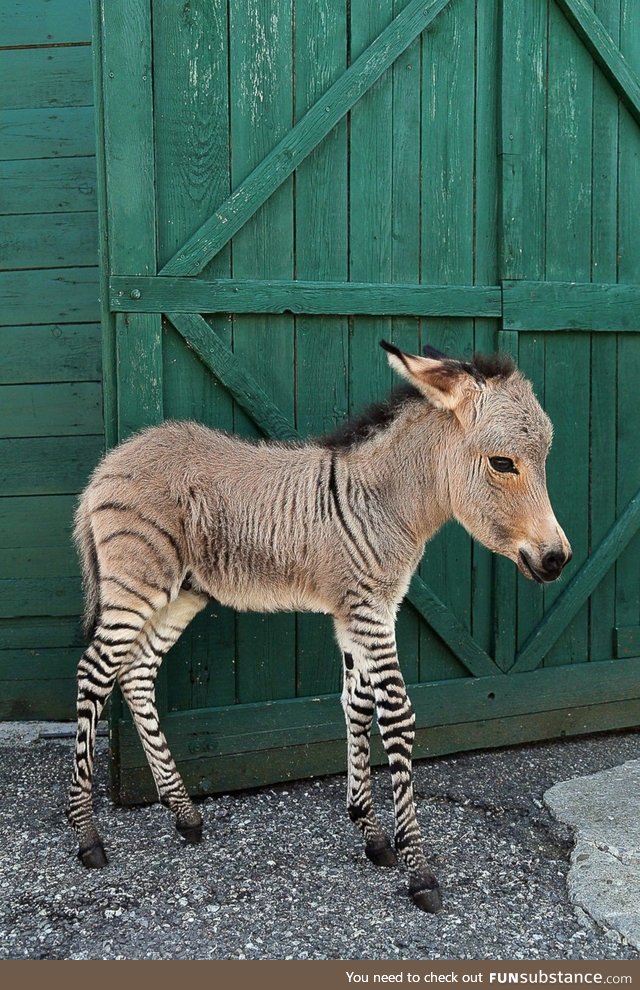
(181, 514)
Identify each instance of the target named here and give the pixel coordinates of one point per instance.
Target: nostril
(553, 561)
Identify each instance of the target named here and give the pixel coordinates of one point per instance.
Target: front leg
(370, 640)
(358, 705)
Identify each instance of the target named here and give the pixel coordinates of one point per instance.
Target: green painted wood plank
(36, 521)
(31, 22)
(553, 305)
(59, 409)
(108, 349)
(53, 353)
(444, 622)
(294, 722)
(48, 466)
(526, 55)
(293, 148)
(192, 177)
(41, 698)
(66, 132)
(406, 150)
(510, 147)
(628, 270)
(568, 257)
(40, 596)
(239, 295)
(604, 238)
(261, 60)
(485, 236)
(627, 641)
(127, 93)
(227, 368)
(321, 240)
(447, 162)
(50, 240)
(581, 586)
(26, 665)
(606, 53)
(34, 562)
(64, 295)
(48, 185)
(46, 77)
(38, 632)
(210, 774)
(139, 356)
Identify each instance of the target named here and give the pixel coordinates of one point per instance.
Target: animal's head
(494, 456)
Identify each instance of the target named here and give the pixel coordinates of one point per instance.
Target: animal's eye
(504, 465)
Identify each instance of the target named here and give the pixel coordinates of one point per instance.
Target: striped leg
(370, 639)
(97, 672)
(137, 681)
(358, 705)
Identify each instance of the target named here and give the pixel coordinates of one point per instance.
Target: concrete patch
(604, 879)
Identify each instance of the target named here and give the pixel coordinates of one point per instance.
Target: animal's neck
(405, 465)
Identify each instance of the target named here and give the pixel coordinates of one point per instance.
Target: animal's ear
(445, 382)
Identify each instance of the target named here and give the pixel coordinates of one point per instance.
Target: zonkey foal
(181, 514)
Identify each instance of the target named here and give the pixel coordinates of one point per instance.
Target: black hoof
(381, 853)
(428, 899)
(190, 833)
(93, 857)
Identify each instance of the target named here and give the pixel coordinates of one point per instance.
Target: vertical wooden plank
(485, 261)
(126, 78)
(261, 110)
(405, 258)
(190, 64)
(321, 253)
(448, 90)
(628, 476)
(530, 130)
(568, 257)
(602, 497)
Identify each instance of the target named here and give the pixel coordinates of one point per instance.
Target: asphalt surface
(281, 872)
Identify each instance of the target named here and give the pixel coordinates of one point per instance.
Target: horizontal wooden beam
(303, 138)
(578, 591)
(542, 306)
(211, 774)
(255, 734)
(189, 295)
(606, 53)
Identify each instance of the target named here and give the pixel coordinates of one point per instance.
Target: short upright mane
(493, 365)
(373, 419)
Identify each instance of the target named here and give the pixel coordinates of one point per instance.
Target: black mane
(379, 415)
(373, 419)
(493, 365)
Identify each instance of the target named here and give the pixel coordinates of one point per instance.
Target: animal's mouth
(530, 571)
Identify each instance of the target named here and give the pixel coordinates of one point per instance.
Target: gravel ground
(281, 872)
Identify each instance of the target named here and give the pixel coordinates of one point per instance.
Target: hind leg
(137, 681)
(96, 676)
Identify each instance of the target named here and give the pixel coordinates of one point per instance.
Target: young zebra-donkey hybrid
(182, 514)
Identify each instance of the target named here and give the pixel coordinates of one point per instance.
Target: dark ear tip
(433, 352)
(390, 348)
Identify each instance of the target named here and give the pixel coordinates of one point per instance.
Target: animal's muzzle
(550, 567)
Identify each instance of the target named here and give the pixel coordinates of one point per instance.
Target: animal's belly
(258, 598)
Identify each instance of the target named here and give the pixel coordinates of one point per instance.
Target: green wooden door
(285, 184)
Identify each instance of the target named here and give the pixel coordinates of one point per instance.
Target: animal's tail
(86, 545)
